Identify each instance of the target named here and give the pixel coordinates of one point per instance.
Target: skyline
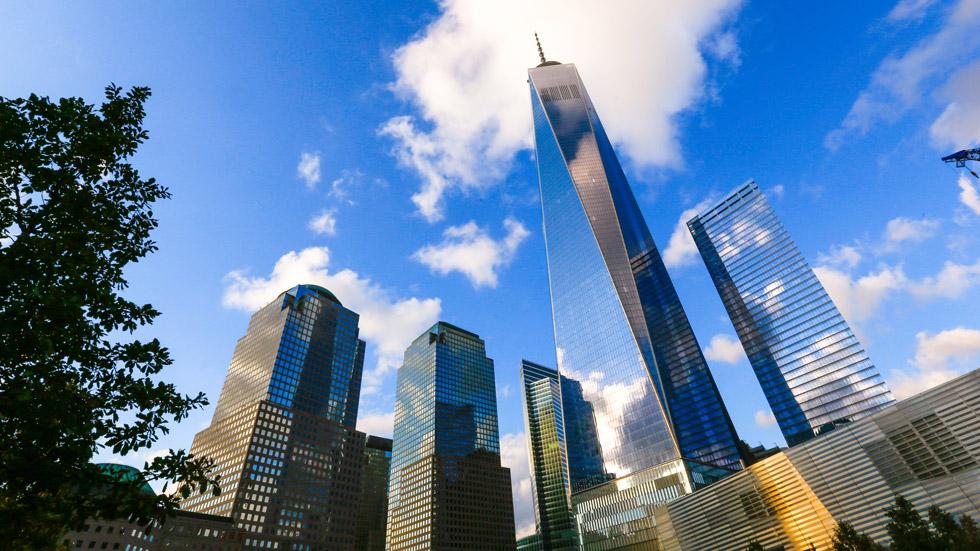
(896, 206)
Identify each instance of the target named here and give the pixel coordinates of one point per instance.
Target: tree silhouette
(73, 380)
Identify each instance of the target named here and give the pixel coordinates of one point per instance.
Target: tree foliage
(910, 531)
(73, 379)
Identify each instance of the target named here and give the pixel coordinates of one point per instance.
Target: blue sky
(381, 148)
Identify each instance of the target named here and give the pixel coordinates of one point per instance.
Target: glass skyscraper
(812, 368)
(448, 489)
(283, 435)
(545, 428)
(620, 329)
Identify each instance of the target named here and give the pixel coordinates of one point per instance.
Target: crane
(961, 157)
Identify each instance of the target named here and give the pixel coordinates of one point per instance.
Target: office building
(812, 368)
(372, 513)
(925, 448)
(620, 328)
(283, 433)
(448, 489)
(546, 445)
(184, 530)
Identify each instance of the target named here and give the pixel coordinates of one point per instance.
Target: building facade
(620, 328)
(546, 444)
(184, 530)
(283, 433)
(448, 490)
(372, 513)
(925, 448)
(812, 368)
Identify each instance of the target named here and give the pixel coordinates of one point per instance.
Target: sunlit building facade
(448, 489)
(812, 368)
(546, 445)
(925, 448)
(283, 435)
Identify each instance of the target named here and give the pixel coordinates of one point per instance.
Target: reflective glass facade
(544, 426)
(283, 435)
(811, 366)
(448, 490)
(620, 330)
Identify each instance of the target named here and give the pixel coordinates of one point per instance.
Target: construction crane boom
(961, 157)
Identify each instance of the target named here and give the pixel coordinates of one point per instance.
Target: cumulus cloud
(841, 256)
(858, 299)
(387, 323)
(464, 76)
(470, 250)
(681, 249)
(969, 194)
(953, 281)
(513, 455)
(901, 230)
(901, 81)
(765, 418)
(308, 169)
(377, 423)
(959, 123)
(725, 349)
(938, 358)
(324, 223)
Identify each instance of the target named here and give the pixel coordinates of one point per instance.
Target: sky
(383, 149)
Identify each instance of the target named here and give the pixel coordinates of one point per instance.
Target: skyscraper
(810, 364)
(372, 514)
(620, 329)
(545, 428)
(448, 490)
(283, 433)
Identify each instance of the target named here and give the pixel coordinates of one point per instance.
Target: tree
(755, 546)
(73, 379)
(846, 538)
(909, 531)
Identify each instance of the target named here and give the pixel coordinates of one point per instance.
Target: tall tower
(372, 516)
(546, 436)
(283, 433)
(620, 328)
(448, 490)
(810, 364)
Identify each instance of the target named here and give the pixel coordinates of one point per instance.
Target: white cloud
(953, 281)
(681, 249)
(470, 250)
(858, 299)
(899, 83)
(464, 74)
(725, 349)
(387, 323)
(309, 169)
(969, 194)
(765, 419)
(341, 186)
(377, 423)
(938, 358)
(959, 123)
(324, 223)
(778, 191)
(513, 455)
(905, 230)
(842, 256)
(907, 10)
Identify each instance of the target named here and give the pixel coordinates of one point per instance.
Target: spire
(540, 51)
